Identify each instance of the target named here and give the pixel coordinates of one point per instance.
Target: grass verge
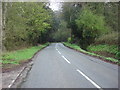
(105, 50)
(76, 47)
(18, 56)
(108, 48)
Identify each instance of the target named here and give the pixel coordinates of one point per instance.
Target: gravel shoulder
(10, 79)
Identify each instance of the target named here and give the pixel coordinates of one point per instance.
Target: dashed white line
(66, 60)
(63, 56)
(97, 86)
(59, 52)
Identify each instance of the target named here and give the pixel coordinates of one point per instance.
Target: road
(57, 66)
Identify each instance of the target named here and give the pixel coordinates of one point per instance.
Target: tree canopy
(26, 24)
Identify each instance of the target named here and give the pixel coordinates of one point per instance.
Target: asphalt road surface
(57, 66)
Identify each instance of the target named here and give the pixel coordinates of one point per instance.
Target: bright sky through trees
(55, 5)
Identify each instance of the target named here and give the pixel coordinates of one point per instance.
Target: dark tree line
(90, 22)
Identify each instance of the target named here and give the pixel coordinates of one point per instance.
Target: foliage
(118, 55)
(110, 38)
(69, 40)
(62, 33)
(15, 57)
(107, 48)
(90, 26)
(76, 47)
(111, 15)
(108, 10)
(26, 24)
(89, 21)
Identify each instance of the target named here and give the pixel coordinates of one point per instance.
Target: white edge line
(88, 79)
(16, 78)
(66, 60)
(13, 81)
(9, 85)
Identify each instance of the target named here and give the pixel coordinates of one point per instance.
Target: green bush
(69, 40)
(91, 25)
(118, 55)
(26, 24)
(110, 38)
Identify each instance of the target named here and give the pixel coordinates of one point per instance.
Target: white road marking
(57, 49)
(62, 55)
(59, 52)
(97, 86)
(66, 59)
(17, 75)
(9, 86)
(13, 81)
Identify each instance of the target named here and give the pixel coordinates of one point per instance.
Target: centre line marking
(97, 86)
(66, 60)
(59, 52)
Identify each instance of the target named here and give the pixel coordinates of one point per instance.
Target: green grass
(15, 57)
(107, 48)
(76, 47)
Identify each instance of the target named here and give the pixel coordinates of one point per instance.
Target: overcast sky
(55, 5)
